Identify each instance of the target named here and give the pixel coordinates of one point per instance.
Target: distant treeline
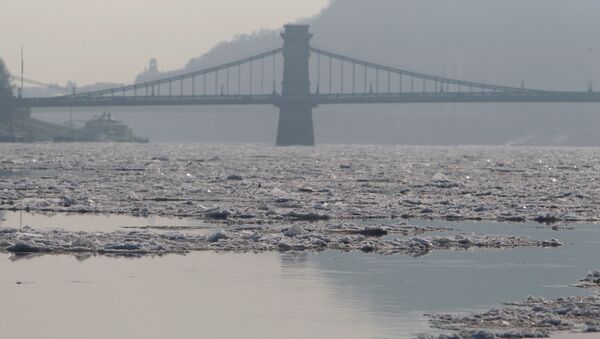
(6, 91)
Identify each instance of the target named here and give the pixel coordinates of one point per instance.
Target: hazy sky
(112, 40)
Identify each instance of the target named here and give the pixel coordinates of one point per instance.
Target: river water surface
(329, 294)
(275, 295)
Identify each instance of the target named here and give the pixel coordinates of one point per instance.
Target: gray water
(76, 222)
(273, 295)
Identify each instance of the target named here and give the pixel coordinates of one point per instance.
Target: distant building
(150, 73)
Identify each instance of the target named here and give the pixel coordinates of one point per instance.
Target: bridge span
(282, 77)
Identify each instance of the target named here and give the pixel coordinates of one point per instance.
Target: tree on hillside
(5, 84)
(6, 94)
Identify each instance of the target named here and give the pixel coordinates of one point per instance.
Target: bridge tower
(295, 106)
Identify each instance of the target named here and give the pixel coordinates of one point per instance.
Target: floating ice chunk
(248, 235)
(374, 232)
(26, 247)
(218, 214)
(321, 206)
(294, 231)
(368, 248)
(218, 236)
(547, 219)
(310, 216)
(423, 242)
(5, 244)
(318, 242)
(83, 243)
(551, 243)
(68, 201)
(571, 217)
(592, 328)
(129, 246)
(439, 176)
(134, 196)
(281, 195)
(592, 280)
(284, 247)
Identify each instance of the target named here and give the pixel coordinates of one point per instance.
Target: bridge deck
(464, 97)
(107, 101)
(322, 99)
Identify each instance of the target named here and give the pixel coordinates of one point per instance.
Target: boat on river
(103, 128)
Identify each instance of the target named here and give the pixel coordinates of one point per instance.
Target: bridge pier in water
(295, 104)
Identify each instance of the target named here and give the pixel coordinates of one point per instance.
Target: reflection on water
(197, 296)
(94, 222)
(271, 295)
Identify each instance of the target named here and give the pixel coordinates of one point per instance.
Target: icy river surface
(252, 183)
(238, 241)
(275, 295)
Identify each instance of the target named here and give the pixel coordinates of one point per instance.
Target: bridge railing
(460, 97)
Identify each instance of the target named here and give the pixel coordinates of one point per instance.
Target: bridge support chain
(295, 104)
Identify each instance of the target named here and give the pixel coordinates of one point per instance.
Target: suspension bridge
(282, 77)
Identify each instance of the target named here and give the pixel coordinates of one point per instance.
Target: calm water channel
(96, 222)
(273, 295)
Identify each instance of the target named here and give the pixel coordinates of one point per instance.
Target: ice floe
(258, 184)
(308, 237)
(533, 318)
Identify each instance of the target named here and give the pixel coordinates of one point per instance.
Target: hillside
(548, 44)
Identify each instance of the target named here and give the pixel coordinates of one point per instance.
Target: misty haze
(544, 44)
(319, 169)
